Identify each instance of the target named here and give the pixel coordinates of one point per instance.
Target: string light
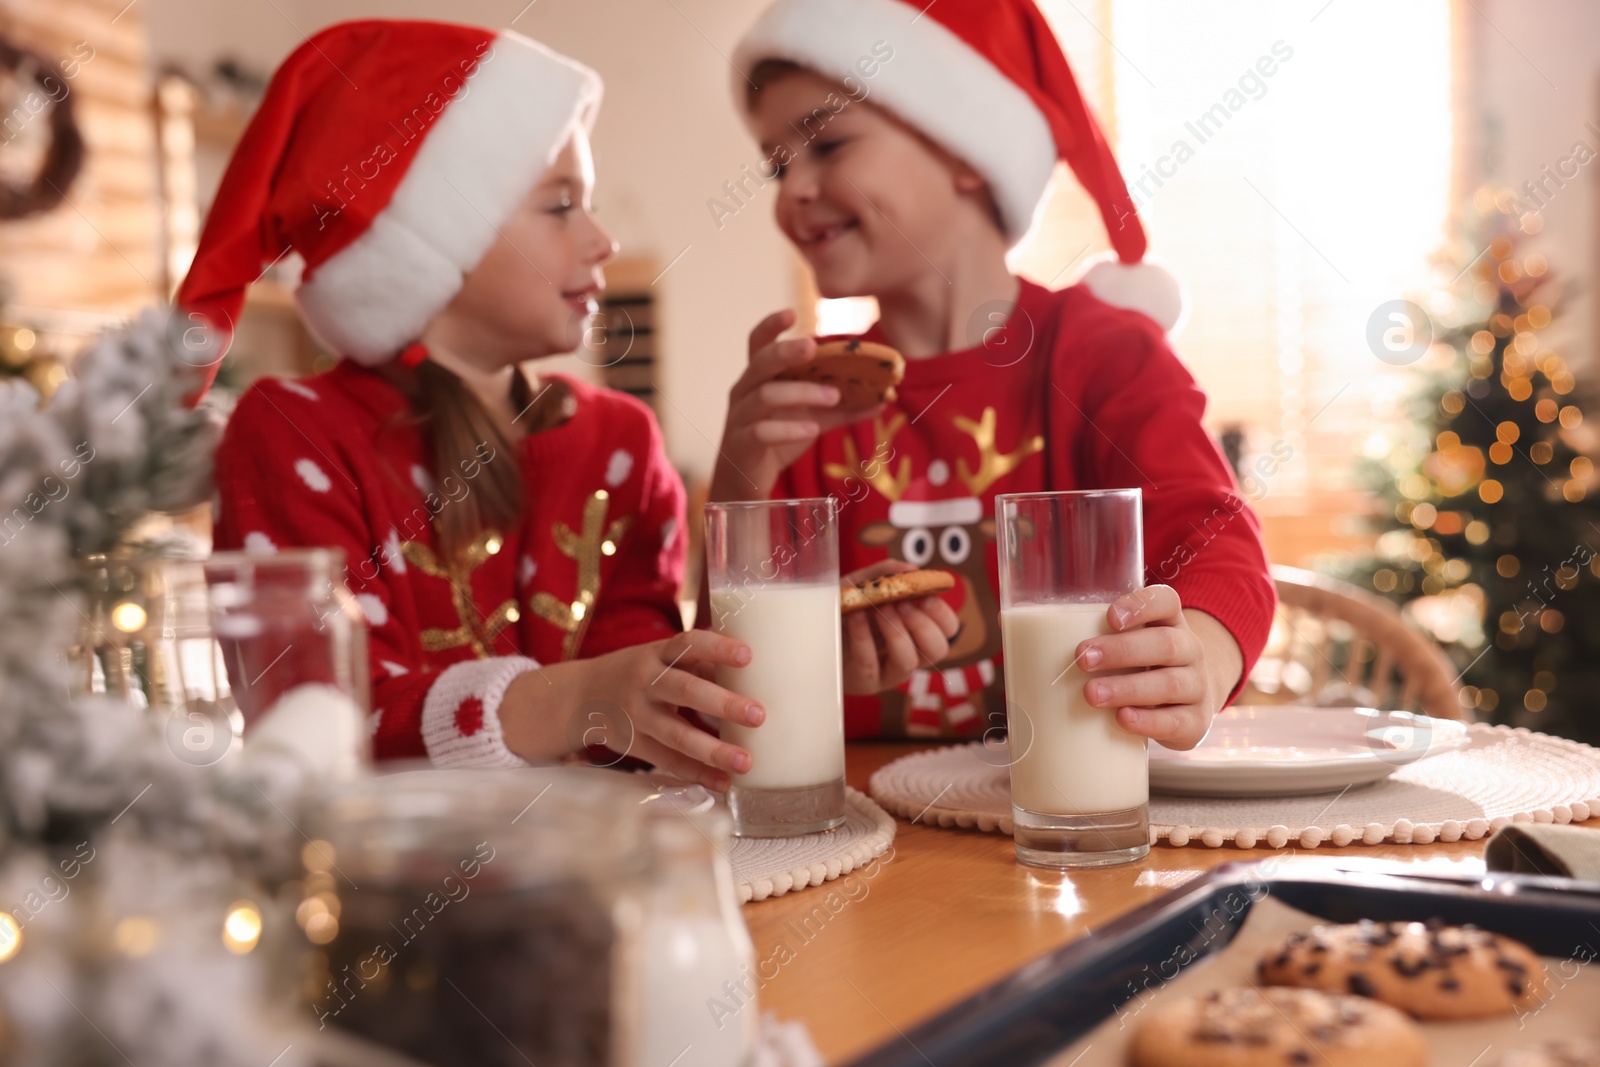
(241, 930)
(129, 617)
(10, 936)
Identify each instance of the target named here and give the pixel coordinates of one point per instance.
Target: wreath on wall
(64, 157)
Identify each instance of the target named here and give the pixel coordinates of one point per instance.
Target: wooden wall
(100, 253)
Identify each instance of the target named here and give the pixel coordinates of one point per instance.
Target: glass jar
(697, 1001)
(480, 917)
(285, 621)
(147, 639)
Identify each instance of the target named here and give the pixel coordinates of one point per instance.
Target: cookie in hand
(864, 373)
(892, 588)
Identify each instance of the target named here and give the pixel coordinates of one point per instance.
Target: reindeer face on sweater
(930, 527)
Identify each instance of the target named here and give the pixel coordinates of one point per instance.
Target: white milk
(793, 634)
(1079, 762)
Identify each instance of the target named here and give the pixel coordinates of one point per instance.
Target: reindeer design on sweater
(931, 528)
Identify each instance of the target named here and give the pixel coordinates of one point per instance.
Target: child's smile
(816, 239)
(873, 205)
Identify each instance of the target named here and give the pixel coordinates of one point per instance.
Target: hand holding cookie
(780, 405)
(887, 635)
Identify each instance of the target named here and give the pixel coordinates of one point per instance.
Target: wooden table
(947, 912)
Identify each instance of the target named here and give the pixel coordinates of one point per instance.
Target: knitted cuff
(461, 714)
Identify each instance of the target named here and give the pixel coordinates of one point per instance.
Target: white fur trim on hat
(1148, 287)
(932, 79)
(478, 160)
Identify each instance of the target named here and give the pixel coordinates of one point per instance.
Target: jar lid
(543, 824)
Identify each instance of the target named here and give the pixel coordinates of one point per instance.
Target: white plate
(1265, 750)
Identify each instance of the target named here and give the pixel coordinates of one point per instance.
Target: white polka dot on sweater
(374, 609)
(526, 570)
(619, 467)
(259, 544)
(938, 472)
(395, 669)
(312, 475)
(669, 533)
(392, 555)
(422, 479)
(299, 388)
(374, 721)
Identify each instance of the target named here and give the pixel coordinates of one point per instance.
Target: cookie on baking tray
(1429, 970)
(865, 373)
(892, 588)
(1281, 1027)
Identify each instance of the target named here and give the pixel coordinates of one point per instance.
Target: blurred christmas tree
(1492, 537)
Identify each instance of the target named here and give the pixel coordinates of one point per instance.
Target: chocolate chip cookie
(1427, 969)
(892, 588)
(1277, 1027)
(865, 373)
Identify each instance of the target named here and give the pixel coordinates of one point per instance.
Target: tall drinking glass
(773, 568)
(1080, 784)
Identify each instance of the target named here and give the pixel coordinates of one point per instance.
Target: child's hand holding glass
(1165, 669)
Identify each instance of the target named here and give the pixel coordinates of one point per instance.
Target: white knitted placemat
(1503, 775)
(772, 866)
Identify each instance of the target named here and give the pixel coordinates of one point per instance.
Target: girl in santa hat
(913, 144)
(515, 545)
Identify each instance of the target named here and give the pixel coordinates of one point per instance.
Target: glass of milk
(1080, 784)
(773, 567)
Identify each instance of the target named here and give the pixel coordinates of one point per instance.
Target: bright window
(1292, 164)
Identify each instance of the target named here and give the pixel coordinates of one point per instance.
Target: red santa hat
(386, 154)
(985, 79)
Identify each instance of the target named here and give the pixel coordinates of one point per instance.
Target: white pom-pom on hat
(1147, 286)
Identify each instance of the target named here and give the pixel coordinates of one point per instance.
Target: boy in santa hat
(913, 144)
(516, 546)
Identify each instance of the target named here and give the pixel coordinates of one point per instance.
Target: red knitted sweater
(1065, 393)
(593, 564)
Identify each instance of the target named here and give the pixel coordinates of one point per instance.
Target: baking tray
(1040, 1009)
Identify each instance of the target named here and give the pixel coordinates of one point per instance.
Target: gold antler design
(992, 463)
(586, 547)
(474, 631)
(890, 485)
